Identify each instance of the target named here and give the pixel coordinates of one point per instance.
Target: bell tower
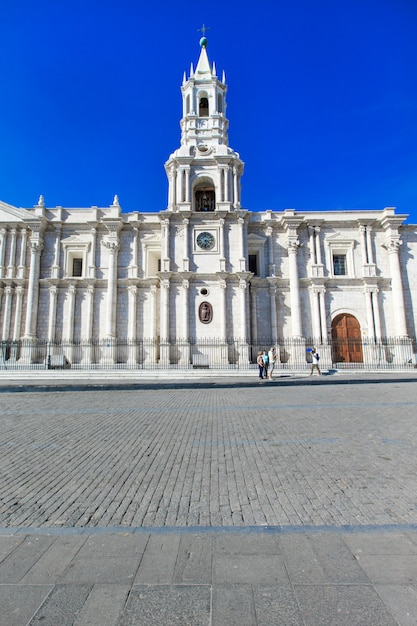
(204, 173)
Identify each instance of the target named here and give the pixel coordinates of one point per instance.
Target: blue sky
(322, 100)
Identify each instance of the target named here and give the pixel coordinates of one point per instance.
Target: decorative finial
(41, 201)
(116, 200)
(203, 40)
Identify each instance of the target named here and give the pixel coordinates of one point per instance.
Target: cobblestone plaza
(306, 455)
(210, 505)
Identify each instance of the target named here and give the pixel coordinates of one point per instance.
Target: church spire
(204, 166)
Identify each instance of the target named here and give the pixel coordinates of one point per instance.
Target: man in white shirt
(315, 363)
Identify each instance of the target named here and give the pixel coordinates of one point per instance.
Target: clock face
(205, 241)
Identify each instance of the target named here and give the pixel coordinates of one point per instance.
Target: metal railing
(232, 353)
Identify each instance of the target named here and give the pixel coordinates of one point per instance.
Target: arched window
(205, 199)
(219, 103)
(203, 110)
(187, 104)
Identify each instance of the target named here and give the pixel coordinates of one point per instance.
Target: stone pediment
(334, 236)
(12, 215)
(252, 238)
(76, 243)
(152, 239)
(74, 239)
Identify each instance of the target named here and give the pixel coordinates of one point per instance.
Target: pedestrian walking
(315, 364)
(272, 357)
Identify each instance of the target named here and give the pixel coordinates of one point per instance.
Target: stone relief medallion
(205, 312)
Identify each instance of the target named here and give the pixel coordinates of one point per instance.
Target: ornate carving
(35, 246)
(293, 245)
(205, 312)
(112, 246)
(393, 246)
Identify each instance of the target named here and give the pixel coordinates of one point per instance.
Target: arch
(203, 107)
(346, 339)
(219, 103)
(187, 104)
(204, 195)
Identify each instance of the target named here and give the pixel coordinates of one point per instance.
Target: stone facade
(205, 269)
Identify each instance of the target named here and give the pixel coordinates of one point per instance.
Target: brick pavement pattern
(210, 457)
(209, 507)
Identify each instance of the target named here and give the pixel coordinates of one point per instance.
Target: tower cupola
(204, 173)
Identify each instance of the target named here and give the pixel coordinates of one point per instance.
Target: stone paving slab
(277, 576)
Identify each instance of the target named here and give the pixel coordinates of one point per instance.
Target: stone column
(362, 233)
(244, 348)
(109, 352)
(322, 301)
(369, 313)
(3, 238)
(271, 269)
(17, 323)
(134, 265)
(369, 244)
(312, 234)
(92, 267)
(187, 184)
(223, 310)
(53, 294)
(165, 244)
(12, 256)
(293, 245)
(21, 270)
(226, 184)
(90, 313)
(315, 308)
(174, 188)
(150, 356)
(393, 248)
(236, 202)
(253, 317)
(57, 253)
(242, 258)
(243, 317)
(164, 322)
(69, 330)
(186, 260)
(18, 312)
(375, 309)
(318, 246)
(131, 329)
(273, 306)
(113, 248)
(185, 358)
(185, 310)
(8, 290)
(88, 354)
(171, 182)
(35, 245)
(222, 245)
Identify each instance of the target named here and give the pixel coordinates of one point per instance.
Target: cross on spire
(203, 29)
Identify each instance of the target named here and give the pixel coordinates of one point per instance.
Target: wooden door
(346, 339)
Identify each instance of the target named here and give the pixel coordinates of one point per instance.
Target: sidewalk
(77, 380)
(209, 577)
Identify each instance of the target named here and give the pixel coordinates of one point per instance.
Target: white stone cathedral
(205, 283)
